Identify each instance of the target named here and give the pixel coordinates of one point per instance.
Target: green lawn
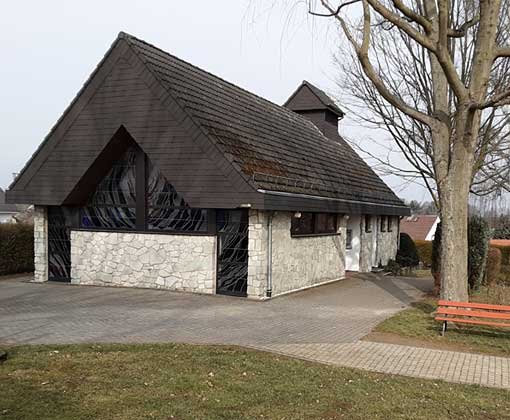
(212, 382)
(418, 323)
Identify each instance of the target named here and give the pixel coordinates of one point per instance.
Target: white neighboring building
(7, 211)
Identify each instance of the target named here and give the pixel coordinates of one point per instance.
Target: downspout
(269, 254)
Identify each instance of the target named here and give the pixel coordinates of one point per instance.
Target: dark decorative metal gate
(60, 221)
(232, 231)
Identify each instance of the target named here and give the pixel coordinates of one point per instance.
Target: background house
(420, 227)
(8, 212)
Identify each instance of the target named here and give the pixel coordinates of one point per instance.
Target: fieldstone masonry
(40, 244)
(257, 254)
(176, 262)
(387, 243)
(297, 263)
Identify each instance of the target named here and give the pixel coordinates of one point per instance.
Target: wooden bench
(472, 313)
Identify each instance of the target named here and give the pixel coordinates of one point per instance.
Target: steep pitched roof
(268, 146)
(276, 148)
(308, 97)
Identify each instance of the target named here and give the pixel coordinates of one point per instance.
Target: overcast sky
(49, 48)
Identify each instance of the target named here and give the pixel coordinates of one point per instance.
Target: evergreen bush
(478, 241)
(16, 248)
(407, 254)
(493, 267)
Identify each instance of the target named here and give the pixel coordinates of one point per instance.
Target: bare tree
(436, 75)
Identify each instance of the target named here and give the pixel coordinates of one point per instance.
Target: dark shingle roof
(272, 147)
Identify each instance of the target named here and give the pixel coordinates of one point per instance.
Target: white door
(353, 243)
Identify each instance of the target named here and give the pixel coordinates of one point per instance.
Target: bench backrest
(474, 305)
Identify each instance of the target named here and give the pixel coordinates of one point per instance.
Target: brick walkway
(395, 359)
(323, 324)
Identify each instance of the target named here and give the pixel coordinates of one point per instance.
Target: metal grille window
(135, 195)
(167, 210)
(113, 204)
(60, 222)
(314, 224)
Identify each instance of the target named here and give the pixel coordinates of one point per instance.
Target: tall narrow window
(390, 224)
(384, 221)
(368, 223)
(348, 239)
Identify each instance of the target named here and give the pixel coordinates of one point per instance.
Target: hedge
(424, 251)
(478, 246)
(16, 248)
(505, 253)
(493, 266)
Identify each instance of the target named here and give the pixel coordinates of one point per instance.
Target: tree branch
(502, 52)
(334, 13)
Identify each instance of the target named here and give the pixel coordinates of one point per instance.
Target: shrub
(424, 252)
(435, 266)
(493, 267)
(504, 275)
(16, 248)
(407, 254)
(505, 253)
(393, 267)
(478, 240)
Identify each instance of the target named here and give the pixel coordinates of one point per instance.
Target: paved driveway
(341, 312)
(322, 324)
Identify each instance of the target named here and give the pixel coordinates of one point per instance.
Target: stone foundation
(40, 244)
(174, 262)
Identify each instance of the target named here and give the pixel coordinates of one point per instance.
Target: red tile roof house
(420, 227)
(162, 175)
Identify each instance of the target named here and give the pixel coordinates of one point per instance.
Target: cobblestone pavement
(323, 324)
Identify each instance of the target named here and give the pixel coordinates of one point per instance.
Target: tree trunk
(454, 220)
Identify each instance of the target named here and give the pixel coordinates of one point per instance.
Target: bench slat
(473, 314)
(474, 305)
(472, 321)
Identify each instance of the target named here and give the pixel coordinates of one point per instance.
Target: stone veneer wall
(257, 254)
(387, 243)
(175, 262)
(40, 244)
(297, 263)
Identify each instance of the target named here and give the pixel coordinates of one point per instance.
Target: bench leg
(445, 327)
